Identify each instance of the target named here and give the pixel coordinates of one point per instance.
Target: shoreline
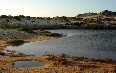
(32, 39)
(55, 63)
(10, 34)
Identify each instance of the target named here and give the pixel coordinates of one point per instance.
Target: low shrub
(53, 34)
(47, 33)
(44, 31)
(15, 42)
(28, 30)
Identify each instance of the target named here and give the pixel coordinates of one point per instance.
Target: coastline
(73, 65)
(10, 34)
(32, 39)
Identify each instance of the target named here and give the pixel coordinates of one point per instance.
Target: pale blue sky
(45, 8)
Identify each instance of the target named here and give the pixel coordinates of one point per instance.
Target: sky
(52, 8)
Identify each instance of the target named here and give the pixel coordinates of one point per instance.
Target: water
(27, 64)
(90, 43)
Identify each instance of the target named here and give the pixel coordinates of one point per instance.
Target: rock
(2, 53)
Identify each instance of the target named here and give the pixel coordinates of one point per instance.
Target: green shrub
(44, 31)
(28, 30)
(15, 42)
(47, 33)
(53, 34)
(17, 18)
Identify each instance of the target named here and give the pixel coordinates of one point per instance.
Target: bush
(28, 30)
(53, 34)
(4, 25)
(15, 42)
(47, 33)
(44, 31)
(4, 16)
(17, 18)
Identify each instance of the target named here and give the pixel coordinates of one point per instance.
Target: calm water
(90, 43)
(27, 64)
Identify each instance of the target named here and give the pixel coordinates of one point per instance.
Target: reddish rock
(2, 53)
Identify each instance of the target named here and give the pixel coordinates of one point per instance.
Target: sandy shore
(54, 64)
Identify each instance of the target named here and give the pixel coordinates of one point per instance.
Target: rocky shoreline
(54, 63)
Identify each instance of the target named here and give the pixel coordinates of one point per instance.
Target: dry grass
(53, 67)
